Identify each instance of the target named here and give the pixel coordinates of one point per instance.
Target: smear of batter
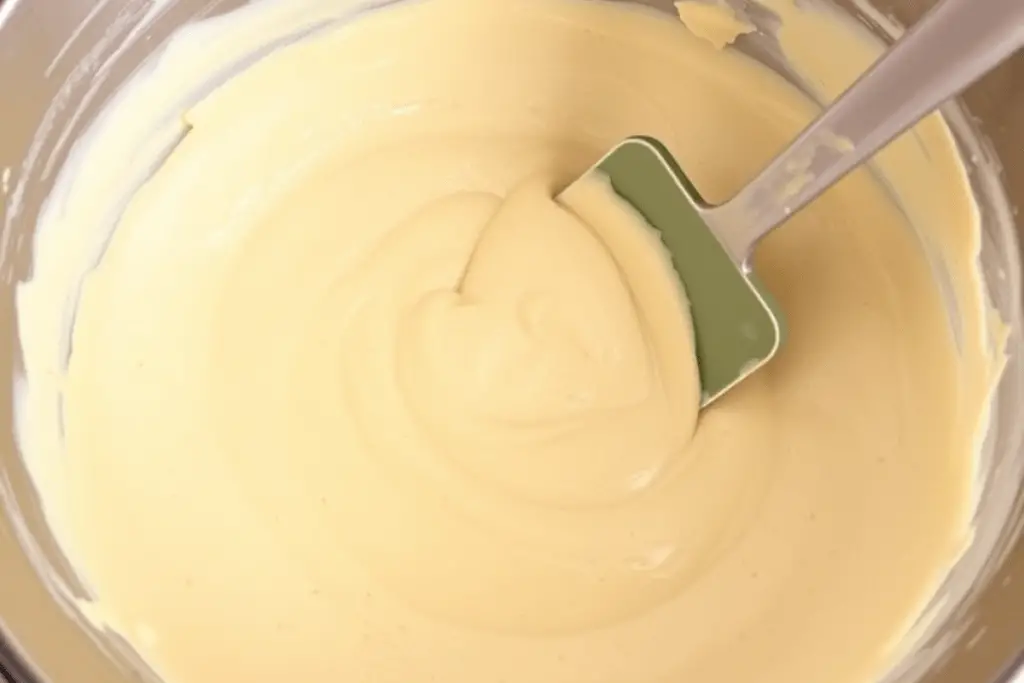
(349, 396)
(715, 23)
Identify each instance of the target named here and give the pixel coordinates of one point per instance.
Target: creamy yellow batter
(350, 397)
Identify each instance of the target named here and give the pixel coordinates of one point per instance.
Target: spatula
(737, 325)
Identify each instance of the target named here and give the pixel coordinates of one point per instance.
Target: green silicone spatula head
(737, 326)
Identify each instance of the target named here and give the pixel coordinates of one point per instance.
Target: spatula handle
(956, 43)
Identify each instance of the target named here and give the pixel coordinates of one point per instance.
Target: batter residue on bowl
(318, 423)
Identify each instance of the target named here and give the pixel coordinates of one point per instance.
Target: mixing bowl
(59, 65)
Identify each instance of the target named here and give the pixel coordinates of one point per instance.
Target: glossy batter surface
(349, 397)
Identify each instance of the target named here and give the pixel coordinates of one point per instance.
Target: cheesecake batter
(346, 395)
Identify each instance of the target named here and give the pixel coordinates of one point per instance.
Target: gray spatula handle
(953, 45)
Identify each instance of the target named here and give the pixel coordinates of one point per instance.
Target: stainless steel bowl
(59, 64)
